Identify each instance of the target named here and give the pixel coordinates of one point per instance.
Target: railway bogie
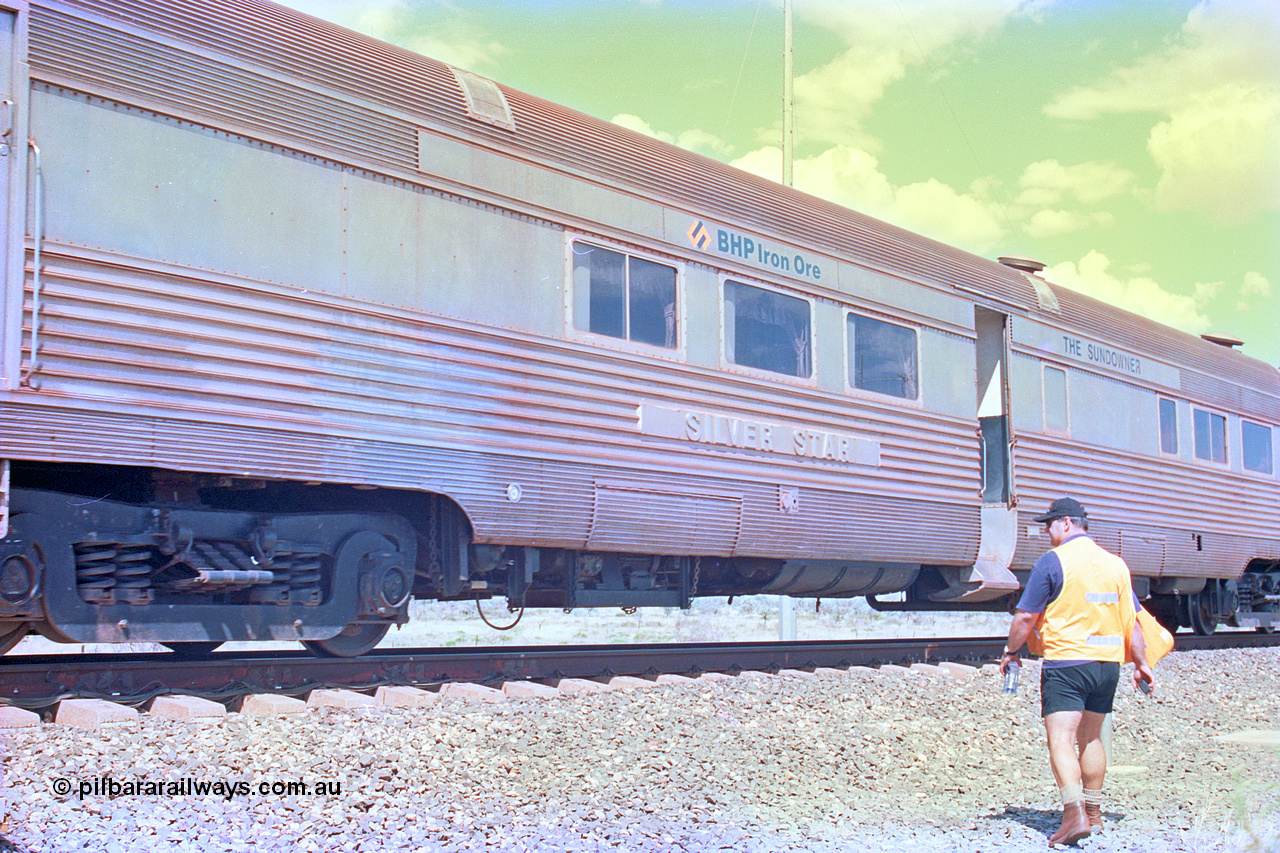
(297, 327)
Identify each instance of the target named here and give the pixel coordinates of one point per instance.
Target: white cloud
(1206, 290)
(765, 162)
(1255, 284)
(1048, 182)
(1220, 152)
(938, 211)
(885, 38)
(851, 177)
(1047, 186)
(1092, 276)
(1216, 90)
(433, 29)
(1053, 223)
(693, 140)
(1255, 289)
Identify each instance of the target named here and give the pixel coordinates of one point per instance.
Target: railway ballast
(297, 327)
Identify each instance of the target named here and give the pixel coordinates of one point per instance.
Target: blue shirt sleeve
(1044, 585)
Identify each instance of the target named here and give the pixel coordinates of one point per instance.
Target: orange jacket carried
(1092, 618)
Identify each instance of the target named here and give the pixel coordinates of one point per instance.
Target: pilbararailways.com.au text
(107, 786)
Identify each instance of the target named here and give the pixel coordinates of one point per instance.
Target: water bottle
(1011, 677)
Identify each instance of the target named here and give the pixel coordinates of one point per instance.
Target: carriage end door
(13, 179)
(994, 429)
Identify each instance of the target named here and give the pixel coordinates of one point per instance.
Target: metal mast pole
(786, 604)
(788, 95)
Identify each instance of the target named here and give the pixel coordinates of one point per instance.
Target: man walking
(1081, 599)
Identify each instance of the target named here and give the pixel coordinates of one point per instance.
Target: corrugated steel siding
(283, 77)
(321, 388)
(374, 394)
(1127, 495)
(347, 92)
(1211, 374)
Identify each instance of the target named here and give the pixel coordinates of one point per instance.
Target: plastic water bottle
(1011, 677)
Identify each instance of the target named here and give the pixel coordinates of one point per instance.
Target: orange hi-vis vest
(1093, 616)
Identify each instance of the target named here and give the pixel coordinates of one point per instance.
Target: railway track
(41, 681)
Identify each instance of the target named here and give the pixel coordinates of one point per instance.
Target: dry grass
(749, 618)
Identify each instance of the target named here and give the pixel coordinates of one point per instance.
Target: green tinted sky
(1134, 147)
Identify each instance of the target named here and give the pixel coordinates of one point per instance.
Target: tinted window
(882, 357)
(1256, 445)
(766, 330)
(1055, 399)
(1211, 436)
(652, 294)
(623, 296)
(1168, 426)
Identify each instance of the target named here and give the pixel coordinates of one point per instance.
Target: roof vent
(1222, 339)
(1022, 264)
(1045, 297)
(485, 101)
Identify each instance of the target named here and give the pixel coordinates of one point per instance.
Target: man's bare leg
(1062, 730)
(1090, 739)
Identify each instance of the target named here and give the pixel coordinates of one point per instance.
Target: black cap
(1062, 508)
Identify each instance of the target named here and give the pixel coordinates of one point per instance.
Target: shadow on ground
(1041, 820)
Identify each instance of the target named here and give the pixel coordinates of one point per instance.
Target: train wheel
(1203, 612)
(11, 633)
(194, 649)
(354, 640)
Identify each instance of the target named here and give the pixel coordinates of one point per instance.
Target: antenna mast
(788, 96)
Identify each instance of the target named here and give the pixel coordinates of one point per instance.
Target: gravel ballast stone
(842, 761)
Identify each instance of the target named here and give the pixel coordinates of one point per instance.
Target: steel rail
(42, 681)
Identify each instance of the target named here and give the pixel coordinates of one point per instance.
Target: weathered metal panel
(1109, 413)
(1196, 360)
(1144, 552)
(910, 300)
(361, 385)
(625, 513)
(367, 91)
(1064, 345)
(157, 190)
(557, 500)
(1223, 394)
(312, 346)
(1168, 499)
(515, 178)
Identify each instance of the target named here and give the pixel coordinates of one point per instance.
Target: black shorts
(1083, 687)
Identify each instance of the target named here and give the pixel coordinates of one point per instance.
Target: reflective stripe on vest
(1102, 597)
(1099, 640)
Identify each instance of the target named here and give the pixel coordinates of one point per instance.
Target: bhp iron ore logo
(752, 250)
(699, 236)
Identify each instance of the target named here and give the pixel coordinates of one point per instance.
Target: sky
(1133, 146)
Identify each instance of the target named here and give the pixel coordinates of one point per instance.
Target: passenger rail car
(298, 326)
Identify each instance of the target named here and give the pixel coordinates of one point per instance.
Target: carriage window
(1256, 446)
(882, 357)
(624, 296)
(766, 330)
(1055, 399)
(1168, 426)
(1211, 436)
